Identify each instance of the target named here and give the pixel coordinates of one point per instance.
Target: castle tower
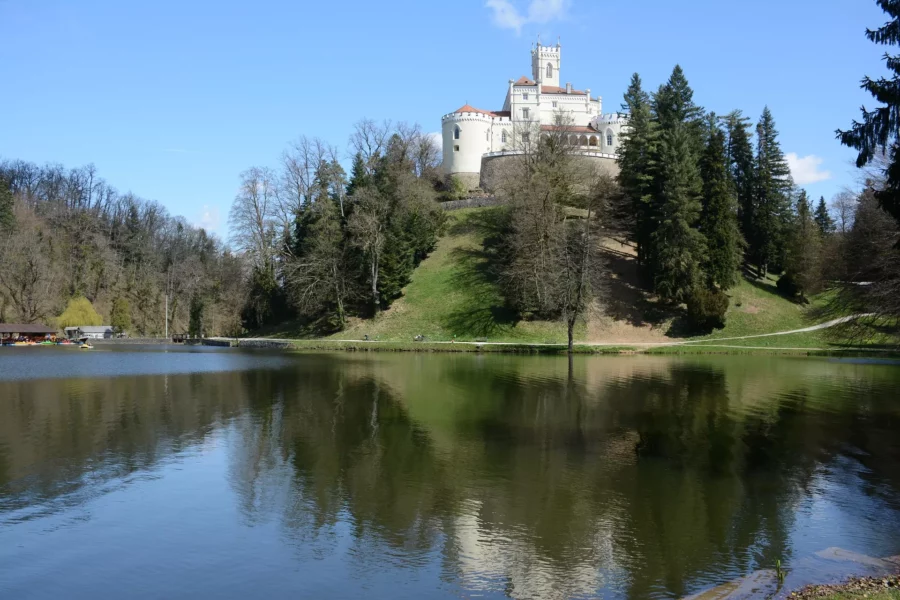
(545, 64)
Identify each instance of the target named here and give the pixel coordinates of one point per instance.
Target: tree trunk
(376, 304)
(571, 330)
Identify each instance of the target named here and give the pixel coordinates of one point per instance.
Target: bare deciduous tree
(367, 226)
(28, 276)
(300, 164)
(369, 139)
(254, 216)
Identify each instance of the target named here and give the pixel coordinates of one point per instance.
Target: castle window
(549, 69)
(456, 132)
(525, 137)
(525, 113)
(487, 135)
(525, 96)
(456, 148)
(609, 138)
(555, 104)
(503, 137)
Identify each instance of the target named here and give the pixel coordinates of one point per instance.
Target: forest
(68, 236)
(705, 199)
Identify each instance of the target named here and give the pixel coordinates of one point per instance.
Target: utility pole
(168, 280)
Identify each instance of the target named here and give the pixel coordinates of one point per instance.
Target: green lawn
(452, 295)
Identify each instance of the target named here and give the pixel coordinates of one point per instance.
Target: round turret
(466, 135)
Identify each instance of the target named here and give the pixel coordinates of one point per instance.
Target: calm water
(146, 473)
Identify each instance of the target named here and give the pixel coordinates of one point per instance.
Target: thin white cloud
(209, 218)
(805, 169)
(508, 16)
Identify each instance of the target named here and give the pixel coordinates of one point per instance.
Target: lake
(168, 472)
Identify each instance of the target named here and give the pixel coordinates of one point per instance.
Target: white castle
(472, 137)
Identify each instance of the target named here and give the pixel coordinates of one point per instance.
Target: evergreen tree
(6, 204)
(195, 322)
(771, 207)
(678, 245)
(674, 103)
(741, 168)
(803, 269)
(636, 154)
(880, 128)
(823, 219)
(719, 220)
(120, 318)
(359, 175)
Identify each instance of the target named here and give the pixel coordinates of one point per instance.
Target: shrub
(706, 309)
(455, 189)
(787, 286)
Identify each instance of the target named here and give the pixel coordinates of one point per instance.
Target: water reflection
(521, 477)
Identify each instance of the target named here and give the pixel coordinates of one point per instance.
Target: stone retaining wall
(473, 202)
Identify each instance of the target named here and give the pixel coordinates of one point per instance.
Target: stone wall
(474, 202)
(492, 166)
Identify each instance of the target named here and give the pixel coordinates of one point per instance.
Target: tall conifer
(823, 219)
(879, 128)
(678, 244)
(6, 204)
(803, 266)
(719, 220)
(771, 207)
(741, 167)
(636, 155)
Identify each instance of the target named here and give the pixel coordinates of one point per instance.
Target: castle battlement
(472, 134)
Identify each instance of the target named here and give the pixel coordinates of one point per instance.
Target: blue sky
(173, 99)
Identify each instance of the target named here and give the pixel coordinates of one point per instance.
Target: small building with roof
(94, 332)
(11, 332)
(473, 137)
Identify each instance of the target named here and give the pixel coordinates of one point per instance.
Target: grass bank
(452, 295)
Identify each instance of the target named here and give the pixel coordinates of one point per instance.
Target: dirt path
(709, 342)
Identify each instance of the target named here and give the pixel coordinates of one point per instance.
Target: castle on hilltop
(475, 140)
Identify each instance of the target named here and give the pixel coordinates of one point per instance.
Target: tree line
(323, 247)
(711, 195)
(68, 238)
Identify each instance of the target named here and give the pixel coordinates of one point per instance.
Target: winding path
(707, 342)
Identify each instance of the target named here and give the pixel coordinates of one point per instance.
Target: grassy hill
(453, 296)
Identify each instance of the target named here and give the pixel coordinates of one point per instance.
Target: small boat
(86, 346)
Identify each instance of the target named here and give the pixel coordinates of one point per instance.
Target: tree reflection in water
(529, 477)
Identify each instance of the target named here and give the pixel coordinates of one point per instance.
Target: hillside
(452, 296)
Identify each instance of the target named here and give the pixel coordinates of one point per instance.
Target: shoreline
(612, 348)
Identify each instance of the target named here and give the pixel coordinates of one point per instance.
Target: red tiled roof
(468, 108)
(552, 89)
(524, 81)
